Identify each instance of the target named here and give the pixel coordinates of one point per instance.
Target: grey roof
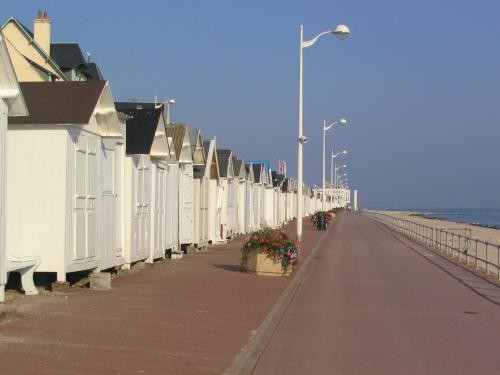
(93, 71)
(249, 172)
(237, 165)
(223, 159)
(257, 168)
(67, 55)
(141, 126)
(285, 187)
(277, 178)
(206, 147)
(193, 134)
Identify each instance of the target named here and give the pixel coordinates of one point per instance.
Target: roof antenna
(88, 56)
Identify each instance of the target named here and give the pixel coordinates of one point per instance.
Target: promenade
(376, 303)
(189, 316)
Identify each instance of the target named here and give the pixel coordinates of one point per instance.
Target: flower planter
(260, 264)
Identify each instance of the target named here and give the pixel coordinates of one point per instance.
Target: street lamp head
(344, 166)
(344, 152)
(343, 121)
(341, 32)
(171, 101)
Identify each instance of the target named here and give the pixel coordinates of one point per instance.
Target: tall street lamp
(332, 175)
(338, 168)
(339, 179)
(342, 32)
(167, 104)
(340, 122)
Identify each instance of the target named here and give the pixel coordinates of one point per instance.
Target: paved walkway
(374, 303)
(190, 316)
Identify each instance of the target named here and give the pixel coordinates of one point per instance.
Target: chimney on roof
(41, 31)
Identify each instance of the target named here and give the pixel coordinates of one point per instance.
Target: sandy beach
(484, 234)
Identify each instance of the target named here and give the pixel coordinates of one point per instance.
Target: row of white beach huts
(87, 183)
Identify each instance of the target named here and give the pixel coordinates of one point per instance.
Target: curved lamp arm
(338, 153)
(340, 122)
(341, 31)
(309, 43)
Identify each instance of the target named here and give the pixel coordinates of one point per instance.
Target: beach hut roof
(69, 56)
(9, 87)
(146, 129)
(60, 102)
(277, 178)
(249, 172)
(84, 103)
(197, 149)
(239, 168)
(180, 136)
(225, 163)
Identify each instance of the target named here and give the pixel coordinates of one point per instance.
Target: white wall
(36, 195)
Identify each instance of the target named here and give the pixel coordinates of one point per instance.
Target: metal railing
(480, 254)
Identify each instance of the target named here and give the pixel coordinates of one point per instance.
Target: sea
(486, 217)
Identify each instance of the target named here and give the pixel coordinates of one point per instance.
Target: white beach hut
(258, 195)
(148, 154)
(214, 206)
(249, 195)
(278, 214)
(180, 136)
(11, 104)
(228, 197)
(200, 192)
(58, 146)
(269, 200)
(240, 184)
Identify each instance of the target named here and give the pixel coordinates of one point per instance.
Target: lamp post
(168, 103)
(342, 32)
(340, 122)
(332, 175)
(338, 168)
(339, 177)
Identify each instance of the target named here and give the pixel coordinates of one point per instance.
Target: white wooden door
(248, 207)
(159, 246)
(256, 206)
(219, 229)
(186, 214)
(172, 210)
(142, 207)
(85, 186)
(111, 176)
(204, 210)
(119, 246)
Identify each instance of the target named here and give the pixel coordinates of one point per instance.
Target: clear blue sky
(419, 82)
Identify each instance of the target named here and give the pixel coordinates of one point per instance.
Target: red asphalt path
(374, 303)
(190, 316)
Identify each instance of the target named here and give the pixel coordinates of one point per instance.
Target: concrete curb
(246, 361)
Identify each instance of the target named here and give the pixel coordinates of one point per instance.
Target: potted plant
(269, 252)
